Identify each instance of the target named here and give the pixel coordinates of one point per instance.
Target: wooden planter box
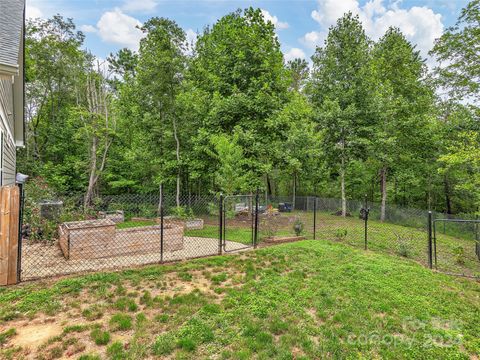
(192, 224)
(282, 239)
(116, 216)
(86, 239)
(93, 239)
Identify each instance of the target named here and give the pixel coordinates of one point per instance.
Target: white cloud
(421, 25)
(88, 28)
(274, 20)
(116, 27)
(139, 5)
(313, 39)
(32, 12)
(294, 53)
(191, 40)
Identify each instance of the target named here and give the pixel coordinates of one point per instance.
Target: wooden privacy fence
(9, 216)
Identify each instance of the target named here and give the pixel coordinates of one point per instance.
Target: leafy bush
(341, 234)
(121, 322)
(459, 253)
(298, 226)
(182, 212)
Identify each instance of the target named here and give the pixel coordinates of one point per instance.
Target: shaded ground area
(41, 260)
(310, 300)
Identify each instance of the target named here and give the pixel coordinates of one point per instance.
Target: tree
(458, 51)
(161, 67)
(299, 71)
(338, 90)
(401, 105)
(239, 65)
(99, 124)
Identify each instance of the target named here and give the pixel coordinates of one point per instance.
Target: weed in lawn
(100, 337)
(161, 318)
(146, 298)
(277, 326)
(187, 344)
(4, 336)
(185, 276)
(120, 322)
(89, 357)
(75, 329)
(141, 319)
(116, 351)
(93, 312)
(125, 303)
(163, 345)
(459, 254)
(218, 279)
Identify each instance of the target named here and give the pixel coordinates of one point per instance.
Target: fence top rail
(458, 220)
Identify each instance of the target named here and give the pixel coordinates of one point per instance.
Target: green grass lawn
(310, 299)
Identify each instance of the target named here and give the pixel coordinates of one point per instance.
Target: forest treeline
(229, 114)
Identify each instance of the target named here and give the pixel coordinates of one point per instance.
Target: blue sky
(301, 24)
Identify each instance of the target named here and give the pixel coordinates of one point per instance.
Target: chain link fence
(128, 230)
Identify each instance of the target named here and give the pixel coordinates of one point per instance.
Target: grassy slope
(311, 299)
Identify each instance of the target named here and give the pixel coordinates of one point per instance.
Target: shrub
(459, 253)
(341, 234)
(298, 226)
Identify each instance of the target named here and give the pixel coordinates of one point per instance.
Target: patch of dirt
(33, 335)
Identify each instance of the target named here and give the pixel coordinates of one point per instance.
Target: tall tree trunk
(383, 186)
(342, 187)
(448, 202)
(177, 150)
(93, 168)
(294, 190)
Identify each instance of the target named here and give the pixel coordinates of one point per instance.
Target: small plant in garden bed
(298, 226)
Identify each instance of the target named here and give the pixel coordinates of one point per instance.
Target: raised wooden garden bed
(93, 239)
(282, 239)
(116, 216)
(191, 224)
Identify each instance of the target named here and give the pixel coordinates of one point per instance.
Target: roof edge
(8, 69)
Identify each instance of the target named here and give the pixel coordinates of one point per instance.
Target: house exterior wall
(7, 130)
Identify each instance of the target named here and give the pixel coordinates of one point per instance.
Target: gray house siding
(7, 155)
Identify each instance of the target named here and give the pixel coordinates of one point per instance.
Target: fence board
(3, 245)
(13, 229)
(9, 212)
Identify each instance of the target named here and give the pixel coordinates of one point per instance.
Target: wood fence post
(9, 213)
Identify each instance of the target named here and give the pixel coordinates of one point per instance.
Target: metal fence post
(20, 232)
(314, 217)
(255, 235)
(430, 258)
(220, 219)
(161, 222)
(366, 222)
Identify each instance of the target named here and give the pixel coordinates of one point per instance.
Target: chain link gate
(461, 257)
(239, 222)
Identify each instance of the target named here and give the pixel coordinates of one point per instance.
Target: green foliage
(5, 335)
(116, 351)
(341, 234)
(298, 226)
(100, 337)
(120, 322)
